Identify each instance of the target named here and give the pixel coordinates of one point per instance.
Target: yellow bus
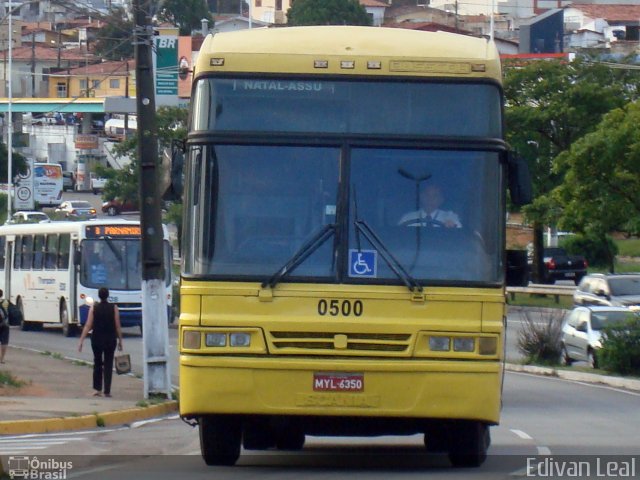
(317, 296)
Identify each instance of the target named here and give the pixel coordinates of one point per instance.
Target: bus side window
(63, 252)
(3, 243)
(27, 252)
(51, 252)
(17, 257)
(38, 252)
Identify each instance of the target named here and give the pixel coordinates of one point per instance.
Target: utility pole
(33, 64)
(157, 379)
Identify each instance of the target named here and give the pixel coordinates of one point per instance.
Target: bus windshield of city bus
(257, 206)
(114, 263)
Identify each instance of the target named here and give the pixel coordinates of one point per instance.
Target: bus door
(73, 287)
(8, 265)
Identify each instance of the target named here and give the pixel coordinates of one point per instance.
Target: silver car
(582, 332)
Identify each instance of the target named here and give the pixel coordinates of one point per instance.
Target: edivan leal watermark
(34, 468)
(550, 467)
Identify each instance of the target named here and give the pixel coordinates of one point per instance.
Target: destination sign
(113, 231)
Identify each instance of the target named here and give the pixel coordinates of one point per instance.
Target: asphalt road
(542, 419)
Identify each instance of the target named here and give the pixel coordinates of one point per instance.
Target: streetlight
(10, 116)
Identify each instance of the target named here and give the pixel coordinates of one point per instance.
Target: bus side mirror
(173, 184)
(519, 180)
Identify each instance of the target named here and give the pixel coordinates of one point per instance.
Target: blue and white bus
(52, 271)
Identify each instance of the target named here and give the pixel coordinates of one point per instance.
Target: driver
(430, 213)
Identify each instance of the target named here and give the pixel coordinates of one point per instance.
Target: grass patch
(57, 355)
(142, 404)
(541, 301)
(629, 247)
(6, 379)
(99, 421)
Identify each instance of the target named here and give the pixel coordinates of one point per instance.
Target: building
(106, 79)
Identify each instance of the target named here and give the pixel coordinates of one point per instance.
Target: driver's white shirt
(420, 217)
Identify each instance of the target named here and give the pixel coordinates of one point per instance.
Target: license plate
(338, 382)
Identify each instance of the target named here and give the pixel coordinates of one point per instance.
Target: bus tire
(68, 330)
(220, 439)
(469, 444)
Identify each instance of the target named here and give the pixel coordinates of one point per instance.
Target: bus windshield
(251, 225)
(111, 263)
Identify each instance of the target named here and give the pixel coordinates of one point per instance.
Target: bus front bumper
(390, 388)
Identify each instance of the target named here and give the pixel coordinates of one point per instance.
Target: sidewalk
(58, 395)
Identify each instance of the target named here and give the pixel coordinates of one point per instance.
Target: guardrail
(541, 289)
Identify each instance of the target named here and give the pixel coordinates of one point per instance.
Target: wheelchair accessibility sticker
(363, 263)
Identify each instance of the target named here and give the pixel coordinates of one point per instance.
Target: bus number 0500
(337, 307)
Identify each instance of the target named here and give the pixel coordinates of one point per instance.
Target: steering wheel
(422, 222)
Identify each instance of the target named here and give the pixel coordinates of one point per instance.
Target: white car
(29, 217)
(582, 332)
(97, 184)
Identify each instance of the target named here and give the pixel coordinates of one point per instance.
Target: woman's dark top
(104, 323)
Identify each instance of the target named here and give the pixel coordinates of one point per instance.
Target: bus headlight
(464, 344)
(439, 344)
(191, 339)
(215, 339)
(240, 339)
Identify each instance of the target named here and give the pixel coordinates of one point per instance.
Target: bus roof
(373, 51)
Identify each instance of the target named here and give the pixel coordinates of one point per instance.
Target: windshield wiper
(313, 244)
(411, 283)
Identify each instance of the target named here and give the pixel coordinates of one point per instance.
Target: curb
(616, 382)
(59, 424)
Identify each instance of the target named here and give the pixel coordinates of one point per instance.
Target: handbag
(123, 363)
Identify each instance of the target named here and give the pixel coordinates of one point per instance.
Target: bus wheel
(68, 330)
(220, 439)
(469, 443)
(290, 439)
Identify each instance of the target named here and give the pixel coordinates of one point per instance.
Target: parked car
(25, 216)
(582, 332)
(97, 184)
(76, 210)
(560, 265)
(618, 290)
(68, 181)
(118, 206)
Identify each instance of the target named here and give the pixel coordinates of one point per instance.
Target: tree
(186, 14)
(601, 191)
(551, 104)
(18, 163)
(171, 124)
(327, 12)
(114, 41)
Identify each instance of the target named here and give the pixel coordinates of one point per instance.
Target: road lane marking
(521, 434)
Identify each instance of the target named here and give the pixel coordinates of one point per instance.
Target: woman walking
(104, 320)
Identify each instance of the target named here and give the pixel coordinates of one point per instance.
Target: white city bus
(52, 271)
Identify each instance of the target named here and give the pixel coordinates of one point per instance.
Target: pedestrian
(4, 326)
(103, 322)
